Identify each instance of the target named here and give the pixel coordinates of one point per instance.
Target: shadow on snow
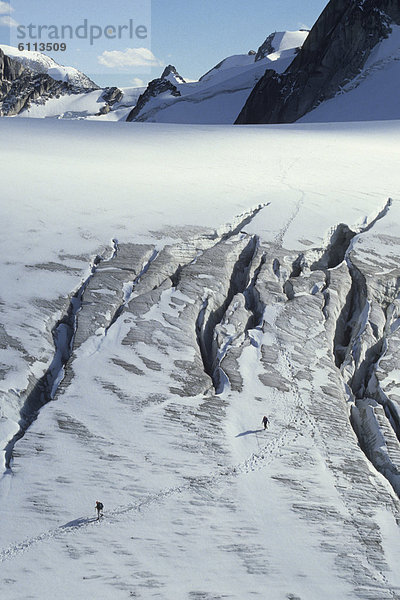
(79, 522)
(249, 432)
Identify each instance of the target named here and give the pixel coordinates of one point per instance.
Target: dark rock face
(9, 69)
(265, 48)
(171, 70)
(111, 96)
(19, 86)
(333, 54)
(155, 88)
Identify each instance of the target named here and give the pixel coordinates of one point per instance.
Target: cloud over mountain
(130, 57)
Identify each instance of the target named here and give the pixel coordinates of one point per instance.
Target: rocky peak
(266, 48)
(334, 52)
(9, 69)
(111, 96)
(19, 86)
(172, 75)
(38, 62)
(155, 88)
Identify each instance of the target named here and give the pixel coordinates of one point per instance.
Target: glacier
(164, 287)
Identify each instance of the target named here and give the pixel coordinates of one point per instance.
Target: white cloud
(8, 21)
(5, 8)
(137, 82)
(131, 57)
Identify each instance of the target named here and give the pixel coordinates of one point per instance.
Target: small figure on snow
(265, 422)
(99, 507)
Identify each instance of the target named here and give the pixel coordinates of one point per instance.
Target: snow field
(196, 504)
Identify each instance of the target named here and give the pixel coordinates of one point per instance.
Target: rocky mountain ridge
(155, 88)
(19, 86)
(335, 51)
(217, 97)
(219, 94)
(345, 69)
(41, 63)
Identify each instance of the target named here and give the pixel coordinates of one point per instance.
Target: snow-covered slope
(372, 95)
(84, 106)
(281, 41)
(256, 272)
(219, 95)
(352, 46)
(279, 45)
(216, 98)
(41, 63)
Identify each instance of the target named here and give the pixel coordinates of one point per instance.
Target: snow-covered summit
(341, 47)
(278, 45)
(172, 75)
(41, 63)
(221, 92)
(217, 97)
(279, 42)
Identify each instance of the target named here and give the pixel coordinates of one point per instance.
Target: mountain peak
(334, 52)
(172, 75)
(266, 48)
(40, 63)
(279, 41)
(20, 85)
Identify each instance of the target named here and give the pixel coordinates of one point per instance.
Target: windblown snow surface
(163, 288)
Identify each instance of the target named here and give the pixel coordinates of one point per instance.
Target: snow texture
(163, 288)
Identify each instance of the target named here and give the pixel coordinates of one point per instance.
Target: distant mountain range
(346, 68)
(354, 44)
(217, 97)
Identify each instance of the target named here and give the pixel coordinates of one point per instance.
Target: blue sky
(193, 36)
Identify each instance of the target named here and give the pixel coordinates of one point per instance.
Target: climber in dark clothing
(99, 507)
(265, 422)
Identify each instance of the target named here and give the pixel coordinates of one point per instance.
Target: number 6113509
(42, 47)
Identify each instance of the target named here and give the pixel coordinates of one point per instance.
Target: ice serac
(335, 51)
(179, 344)
(371, 342)
(356, 279)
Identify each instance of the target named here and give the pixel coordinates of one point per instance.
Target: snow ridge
(45, 389)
